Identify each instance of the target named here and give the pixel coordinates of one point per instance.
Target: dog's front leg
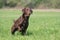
(19, 29)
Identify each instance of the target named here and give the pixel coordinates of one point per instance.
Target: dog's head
(27, 11)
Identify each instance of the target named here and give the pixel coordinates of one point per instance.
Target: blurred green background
(43, 4)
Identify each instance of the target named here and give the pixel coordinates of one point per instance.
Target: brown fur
(21, 24)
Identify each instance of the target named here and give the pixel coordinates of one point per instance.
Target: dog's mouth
(27, 15)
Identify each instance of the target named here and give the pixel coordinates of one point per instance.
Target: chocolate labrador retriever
(21, 24)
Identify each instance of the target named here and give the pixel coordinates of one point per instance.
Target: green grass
(43, 25)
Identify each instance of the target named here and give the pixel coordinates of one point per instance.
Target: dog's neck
(25, 16)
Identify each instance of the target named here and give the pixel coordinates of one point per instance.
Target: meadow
(42, 25)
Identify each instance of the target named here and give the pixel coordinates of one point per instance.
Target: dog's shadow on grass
(29, 33)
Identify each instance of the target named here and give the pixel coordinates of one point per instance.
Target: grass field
(43, 25)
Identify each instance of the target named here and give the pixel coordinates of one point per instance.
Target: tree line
(30, 3)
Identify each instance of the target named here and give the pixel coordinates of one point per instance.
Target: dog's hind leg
(13, 29)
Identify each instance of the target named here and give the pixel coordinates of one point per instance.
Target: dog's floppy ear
(23, 10)
(31, 10)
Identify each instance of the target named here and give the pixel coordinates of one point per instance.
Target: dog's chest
(26, 20)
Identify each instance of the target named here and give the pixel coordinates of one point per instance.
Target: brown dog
(21, 24)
